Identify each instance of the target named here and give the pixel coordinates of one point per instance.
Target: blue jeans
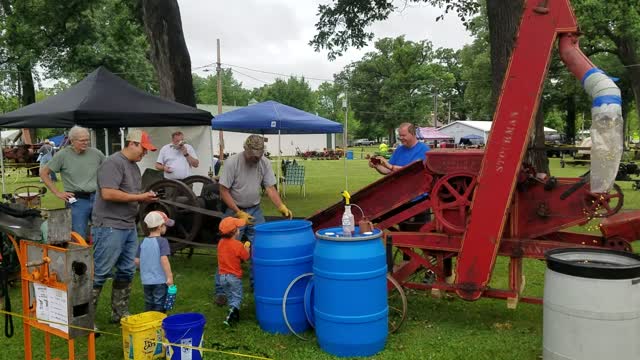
(249, 231)
(113, 248)
(80, 214)
(232, 286)
(154, 297)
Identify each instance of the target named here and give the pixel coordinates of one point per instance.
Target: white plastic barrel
(591, 305)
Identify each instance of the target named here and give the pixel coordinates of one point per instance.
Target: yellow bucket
(142, 336)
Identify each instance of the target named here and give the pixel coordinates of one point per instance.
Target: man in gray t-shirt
(114, 230)
(243, 177)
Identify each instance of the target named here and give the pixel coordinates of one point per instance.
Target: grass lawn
(447, 328)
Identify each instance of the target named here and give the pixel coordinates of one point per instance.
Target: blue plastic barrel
(350, 294)
(349, 154)
(184, 329)
(281, 251)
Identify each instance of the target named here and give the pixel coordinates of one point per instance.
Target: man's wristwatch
(186, 155)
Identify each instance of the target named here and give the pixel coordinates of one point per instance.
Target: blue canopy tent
(58, 139)
(272, 117)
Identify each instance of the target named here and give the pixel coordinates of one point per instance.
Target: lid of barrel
(594, 263)
(336, 234)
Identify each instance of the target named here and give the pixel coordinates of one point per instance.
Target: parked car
(363, 142)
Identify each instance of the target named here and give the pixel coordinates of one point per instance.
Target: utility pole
(345, 106)
(449, 116)
(219, 73)
(435, 109)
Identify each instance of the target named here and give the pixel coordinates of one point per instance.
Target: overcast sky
(273, 36)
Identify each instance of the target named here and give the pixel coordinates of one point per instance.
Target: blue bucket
(281, 251)
(350, 293)
(184, 329)
(349, 154)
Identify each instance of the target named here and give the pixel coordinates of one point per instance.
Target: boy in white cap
(153, 259)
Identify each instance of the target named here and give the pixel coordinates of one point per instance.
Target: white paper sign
(58, 309)
(42, 302)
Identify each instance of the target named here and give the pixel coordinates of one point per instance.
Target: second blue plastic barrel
(281, 251)
(350, 294)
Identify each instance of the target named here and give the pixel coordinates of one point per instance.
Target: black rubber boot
(120, 300)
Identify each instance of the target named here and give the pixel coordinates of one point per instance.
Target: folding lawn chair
(294, 175)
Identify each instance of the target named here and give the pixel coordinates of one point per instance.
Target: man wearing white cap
(114, 221)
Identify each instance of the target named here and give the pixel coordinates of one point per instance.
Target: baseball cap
(230, 224)
(254, 145)
(141, 137)
(157, 218)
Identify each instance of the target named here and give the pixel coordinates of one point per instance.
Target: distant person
(78, 166)
(115, 235)
(177, 158)
(45, 154)
(153, 260)
(405, 154)
(383, 148)
(231, 254)
(243, 177)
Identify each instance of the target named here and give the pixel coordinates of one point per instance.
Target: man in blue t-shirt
(410, 151)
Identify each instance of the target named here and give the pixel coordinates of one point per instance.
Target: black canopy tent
(104, 100)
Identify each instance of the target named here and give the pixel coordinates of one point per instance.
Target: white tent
(11, 137)
(460, 128)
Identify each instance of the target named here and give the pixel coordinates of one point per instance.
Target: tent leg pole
(278, 164)
(2, 165)
(106, 142)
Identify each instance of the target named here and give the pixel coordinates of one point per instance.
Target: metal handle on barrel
(284, 305)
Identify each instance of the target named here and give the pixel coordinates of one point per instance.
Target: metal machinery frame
(485, 203)
(37, 264)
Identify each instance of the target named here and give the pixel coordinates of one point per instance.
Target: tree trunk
(27, 90)
(570, 126)
(169, 53)
(504, 20)
(537, 155)
(27, 97)
(629, 57)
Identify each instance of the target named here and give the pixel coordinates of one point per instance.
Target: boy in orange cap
(231, 253)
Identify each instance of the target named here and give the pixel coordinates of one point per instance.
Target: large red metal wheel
(600, 205)
(451, 198)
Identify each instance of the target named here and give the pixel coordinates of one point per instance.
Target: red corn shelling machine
(486, 203)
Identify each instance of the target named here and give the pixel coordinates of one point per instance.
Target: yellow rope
(199, 348)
